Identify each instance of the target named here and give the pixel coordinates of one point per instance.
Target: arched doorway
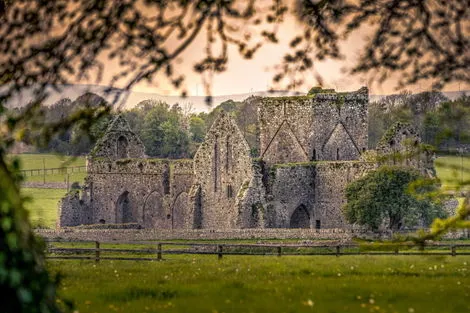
(124, 209)
(179, 211)
(300, 218)
(122, 148)
(154, 215)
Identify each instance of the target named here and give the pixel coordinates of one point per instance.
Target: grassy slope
(270, 284)
(37, 161)
(453, 170)
(43, 205)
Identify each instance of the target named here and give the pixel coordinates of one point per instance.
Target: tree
(448, 126)
(25, 284)
(382, 199)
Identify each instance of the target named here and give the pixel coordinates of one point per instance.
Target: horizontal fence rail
(154, 251)
(53, 171)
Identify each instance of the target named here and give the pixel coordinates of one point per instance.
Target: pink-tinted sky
(243, 76)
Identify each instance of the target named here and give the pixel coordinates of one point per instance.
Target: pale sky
(244, 76)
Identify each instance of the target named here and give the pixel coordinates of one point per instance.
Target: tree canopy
(382, 200)
(56, 42)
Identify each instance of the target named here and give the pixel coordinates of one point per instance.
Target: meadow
(453, 171)
(48, 161)
(42, 205)
(405, 284)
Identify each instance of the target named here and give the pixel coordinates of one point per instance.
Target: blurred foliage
(23, 278)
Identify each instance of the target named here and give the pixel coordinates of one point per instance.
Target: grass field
(40, 161)
(453, 171)
(43, 205)
(37, 161)
(269, 284)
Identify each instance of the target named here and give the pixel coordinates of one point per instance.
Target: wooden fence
(53, 171)
(157, 250)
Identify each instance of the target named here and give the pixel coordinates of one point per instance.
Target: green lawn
(36, 161)
(43, 205)
(269, 284)
(48, 161)
(453, 171)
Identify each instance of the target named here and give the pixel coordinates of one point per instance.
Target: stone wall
(323, 126)
(401, 146)
(222, 166)
(118, 142)
(144, 191)
(73, 210)
(331, 180)
(291, 198)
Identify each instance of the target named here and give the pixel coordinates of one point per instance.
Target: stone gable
(310, 149)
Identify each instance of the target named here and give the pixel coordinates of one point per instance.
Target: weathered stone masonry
(310, 150)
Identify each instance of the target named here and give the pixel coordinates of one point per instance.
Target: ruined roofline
(215, 125)
(314, 163)
(324, 94)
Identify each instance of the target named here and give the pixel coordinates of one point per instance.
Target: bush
(382, 199)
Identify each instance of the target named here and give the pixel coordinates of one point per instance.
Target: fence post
(338, 250)
(159, 252)
(97, 251)
(279, 251)
(453, 252)
(43, 171)
(220, 252)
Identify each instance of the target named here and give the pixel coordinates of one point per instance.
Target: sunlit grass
(269, 284)
(42, 207)
(453, 171)
(48, 161)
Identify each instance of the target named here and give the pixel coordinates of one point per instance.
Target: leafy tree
(382, 199)
(449, 125)
(404, 107)
(25, 284)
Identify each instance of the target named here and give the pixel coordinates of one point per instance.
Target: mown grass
(453, 171)
(48, 161)
(35, 161)
(42, 207)
(269, 284)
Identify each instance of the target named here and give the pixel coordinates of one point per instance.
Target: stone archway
(300, 218)
(154, 213)
(124, 212)
(179, 212)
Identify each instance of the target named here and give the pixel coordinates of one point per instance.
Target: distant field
(40, 161)
(454, 171)
(36, 161)
(405, 284)
(43, 205)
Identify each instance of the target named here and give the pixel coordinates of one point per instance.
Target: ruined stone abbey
(311, 148)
